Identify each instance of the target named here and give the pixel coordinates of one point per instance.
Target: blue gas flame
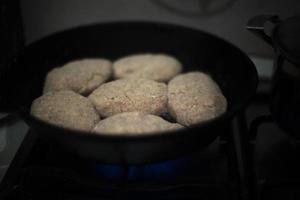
(150, 172)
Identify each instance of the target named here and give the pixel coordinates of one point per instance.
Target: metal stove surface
(273, 154)
(276, 163)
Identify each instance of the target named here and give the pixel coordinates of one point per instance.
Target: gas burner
(201, 164)
(41, 168)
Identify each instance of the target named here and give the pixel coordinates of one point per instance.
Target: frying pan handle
(257, 25)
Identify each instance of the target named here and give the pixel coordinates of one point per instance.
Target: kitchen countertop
(11, 136)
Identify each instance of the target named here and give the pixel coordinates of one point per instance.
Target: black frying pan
(230, 67)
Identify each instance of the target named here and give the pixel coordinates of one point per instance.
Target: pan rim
(227, 115)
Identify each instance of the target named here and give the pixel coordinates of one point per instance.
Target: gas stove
(40, 168)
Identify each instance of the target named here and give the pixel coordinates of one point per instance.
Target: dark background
(43, 17)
